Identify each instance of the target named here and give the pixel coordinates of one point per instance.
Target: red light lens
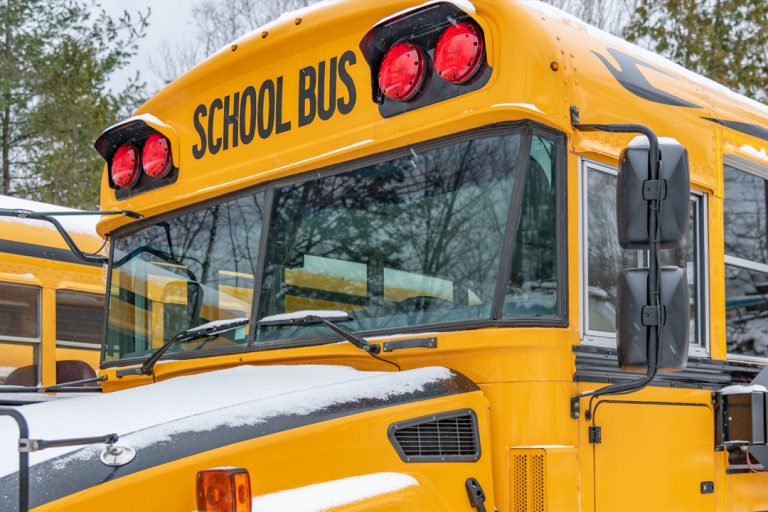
(125, 166)
(459, 53)
(156, 156)
(402, 71)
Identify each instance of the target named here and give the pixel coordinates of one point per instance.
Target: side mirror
(638, 321)
(633, 335)
(635, 190)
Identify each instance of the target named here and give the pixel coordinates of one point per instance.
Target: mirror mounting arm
(654, 312)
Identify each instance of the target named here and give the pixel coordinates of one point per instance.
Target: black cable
(386, 361)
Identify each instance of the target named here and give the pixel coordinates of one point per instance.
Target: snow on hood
(202, 402)
(84, 224)
(336, 493)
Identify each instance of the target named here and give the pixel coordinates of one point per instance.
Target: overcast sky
(169, 21)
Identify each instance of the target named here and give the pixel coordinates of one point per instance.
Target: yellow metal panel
(652, 455)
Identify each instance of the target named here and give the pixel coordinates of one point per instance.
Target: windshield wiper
(193, 333)
(326, 318)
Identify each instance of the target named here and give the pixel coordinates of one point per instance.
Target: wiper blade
(325, 317)
(193, 333)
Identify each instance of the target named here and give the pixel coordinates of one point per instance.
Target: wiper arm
(326, 318)
(193, 333)
(51, 217)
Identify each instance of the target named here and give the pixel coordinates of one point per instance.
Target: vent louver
(446, 437)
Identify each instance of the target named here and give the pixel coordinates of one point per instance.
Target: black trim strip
(598, 364)
(67, 474)
(43, 252)
(753, 130)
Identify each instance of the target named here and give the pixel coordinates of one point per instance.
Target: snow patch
(527, 106)
(739, 388)
(642, 141)
(146, 415)
(84, 224)
(148, 118)
(296, 315)
(752, 151)
(464, 5)
(336, 493)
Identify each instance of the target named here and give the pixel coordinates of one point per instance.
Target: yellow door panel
(653, 456)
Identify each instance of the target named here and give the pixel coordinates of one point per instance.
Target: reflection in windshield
(413, 241)
(185, 272)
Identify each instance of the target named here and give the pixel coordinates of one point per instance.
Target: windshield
(416, 240)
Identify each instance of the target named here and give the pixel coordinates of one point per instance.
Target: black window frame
(527, 130)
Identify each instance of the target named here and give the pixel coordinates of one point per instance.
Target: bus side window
(746, 263)
(79, 318)
(604, 259)
(19, 328)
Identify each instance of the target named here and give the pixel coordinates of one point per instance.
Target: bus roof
(543, 62)
(84, 225)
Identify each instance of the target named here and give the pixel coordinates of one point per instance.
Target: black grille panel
(446, 437)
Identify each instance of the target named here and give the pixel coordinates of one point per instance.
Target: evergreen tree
(725, 40)
(55, 60)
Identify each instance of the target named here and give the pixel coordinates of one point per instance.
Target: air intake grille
(528, 473)
(446, 437)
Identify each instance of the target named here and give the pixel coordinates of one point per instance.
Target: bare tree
(609, 15)
(216, 23)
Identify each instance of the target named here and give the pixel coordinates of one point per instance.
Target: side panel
(653, 456)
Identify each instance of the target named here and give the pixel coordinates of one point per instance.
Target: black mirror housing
(633, 333)
(635, 188)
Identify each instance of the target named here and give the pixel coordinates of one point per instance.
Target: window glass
(746, 311)
(606, 259)
(746, 269)
(410, 241)
(19, 361)
(744, 216)
(79, 316)
(190, 270)
(532, 287)
(19, 312)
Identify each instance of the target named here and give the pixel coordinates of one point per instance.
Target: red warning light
(125, 166)
(156, 156)
(459, 52)
(402, 71)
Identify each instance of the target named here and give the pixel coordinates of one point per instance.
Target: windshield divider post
(513, 220)
(269, 200)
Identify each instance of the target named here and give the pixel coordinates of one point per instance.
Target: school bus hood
(188, 415)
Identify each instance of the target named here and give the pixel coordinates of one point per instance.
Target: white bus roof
(85, 225)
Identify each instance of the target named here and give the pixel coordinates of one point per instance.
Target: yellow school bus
(52, 303)
(379, 269)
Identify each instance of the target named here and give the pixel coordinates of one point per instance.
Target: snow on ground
(85, 224)
(203, 402)
(336, 493)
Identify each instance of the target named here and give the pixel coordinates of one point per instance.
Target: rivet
(264, 34)
(297, 21)
(554, 66)
(234, 47)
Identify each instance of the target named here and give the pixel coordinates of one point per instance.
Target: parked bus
(51, 303)
(380, 268)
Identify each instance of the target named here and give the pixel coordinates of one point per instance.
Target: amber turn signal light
(224, 490)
